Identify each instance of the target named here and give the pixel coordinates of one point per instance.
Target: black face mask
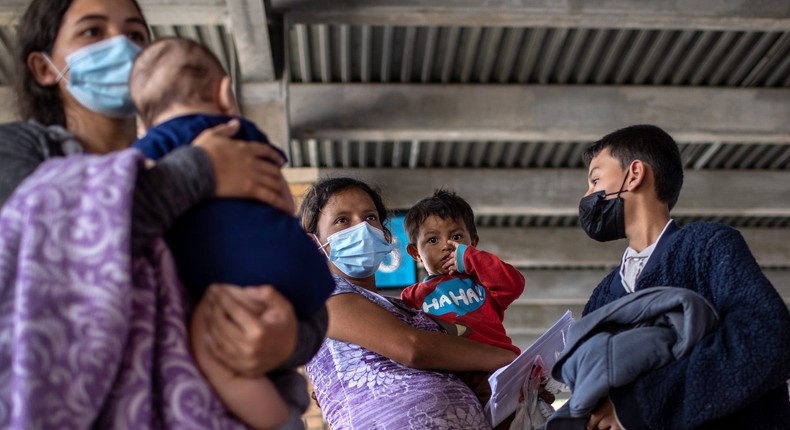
(602, 219)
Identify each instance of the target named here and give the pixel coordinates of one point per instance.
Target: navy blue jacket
(736, 376)
(239, 241)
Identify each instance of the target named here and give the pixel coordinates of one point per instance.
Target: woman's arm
(310, 334)
(23, 147)
(165, 191)
(354, 319)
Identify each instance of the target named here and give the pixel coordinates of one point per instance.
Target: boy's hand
(604, 417)
(450, 266)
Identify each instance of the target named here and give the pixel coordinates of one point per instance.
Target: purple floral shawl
(91, 337)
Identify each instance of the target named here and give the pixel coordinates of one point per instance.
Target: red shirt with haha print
(476, 298)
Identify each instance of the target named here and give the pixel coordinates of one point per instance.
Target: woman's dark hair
(443, 204)
(38, 29)
(317, 197)
(653, 146)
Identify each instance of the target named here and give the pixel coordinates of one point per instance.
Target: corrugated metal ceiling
(496, 220)
(216, 37)
(494, 154)
(345, 53)
(350, 53)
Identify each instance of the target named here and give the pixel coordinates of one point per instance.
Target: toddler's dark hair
(443, 204)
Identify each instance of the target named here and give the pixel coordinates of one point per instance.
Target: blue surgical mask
(357, 251)
(99, 76)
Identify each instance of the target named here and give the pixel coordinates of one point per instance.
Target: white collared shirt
(633, 262)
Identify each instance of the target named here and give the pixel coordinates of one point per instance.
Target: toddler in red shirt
(465, 286)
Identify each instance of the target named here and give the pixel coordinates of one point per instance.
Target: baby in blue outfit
(180, 89)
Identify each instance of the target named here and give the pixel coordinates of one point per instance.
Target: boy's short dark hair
(653, 146)
(443, 204)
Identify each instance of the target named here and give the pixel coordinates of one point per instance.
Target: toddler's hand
(450, 266)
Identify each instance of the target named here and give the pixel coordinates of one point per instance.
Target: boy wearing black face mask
(737, 376)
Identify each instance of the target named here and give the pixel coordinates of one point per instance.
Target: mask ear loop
(61, 75)
(623, 185)
(321, 247)
(605, 195)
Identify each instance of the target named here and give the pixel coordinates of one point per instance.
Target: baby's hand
(449, 265)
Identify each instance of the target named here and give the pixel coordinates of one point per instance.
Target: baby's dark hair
(443, 204)
(173, 70)
(653, 146)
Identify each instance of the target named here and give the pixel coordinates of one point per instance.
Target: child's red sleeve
(503, 281)
(409, 297)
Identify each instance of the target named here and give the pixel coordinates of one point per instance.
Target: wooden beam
(264, 104)
(574, 286)
(528, 113)
(729, 15)
(185, 12)
(157, 12)
(300, 175)
(520, 321)
(556, 192)
(565, 285)
(543, 303)
(251, 34)
(535, 247)
(534, 113)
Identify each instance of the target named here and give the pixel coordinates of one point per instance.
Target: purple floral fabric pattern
(91, 337)
(359, 389)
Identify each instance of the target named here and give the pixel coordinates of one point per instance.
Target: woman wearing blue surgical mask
(377, 367)
(73, 60)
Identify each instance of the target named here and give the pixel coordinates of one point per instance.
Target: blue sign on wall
(398, 269)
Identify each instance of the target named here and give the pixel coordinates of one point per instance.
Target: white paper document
(507, 381)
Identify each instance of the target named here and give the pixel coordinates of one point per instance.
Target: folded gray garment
(614, 345)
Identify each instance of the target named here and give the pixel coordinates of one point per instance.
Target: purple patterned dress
(359, 389)
(91, 336)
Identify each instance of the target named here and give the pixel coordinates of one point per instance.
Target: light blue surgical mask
(357, 251)
(99, 76)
